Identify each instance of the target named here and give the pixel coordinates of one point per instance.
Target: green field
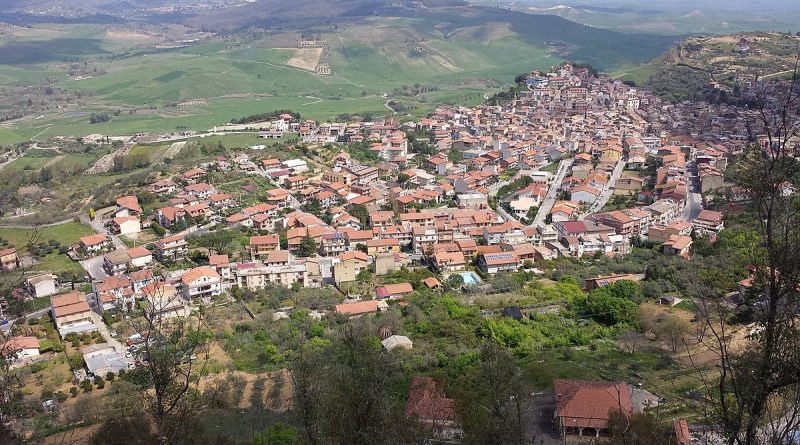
(66, 234)
(441, 57)
(28, 163)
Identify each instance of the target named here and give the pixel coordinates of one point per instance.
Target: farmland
(143, 87)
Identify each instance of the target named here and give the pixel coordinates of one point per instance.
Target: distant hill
(700, 67)
(715, 67)
(668, 17)
(602, 48)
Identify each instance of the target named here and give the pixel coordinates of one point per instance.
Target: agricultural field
(142, 86)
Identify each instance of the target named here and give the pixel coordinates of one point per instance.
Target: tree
(635, 429)
(360, 211)
(308, 247)
(278, 434)
(673, 329)
(176, 352)
(490, 401)
(604, 307)
(631, 340)
(217, 241)
(755, 394)
(455, 281)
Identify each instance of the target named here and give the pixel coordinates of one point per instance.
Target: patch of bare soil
(306, 58)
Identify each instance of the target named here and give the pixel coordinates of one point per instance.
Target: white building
(201, 282)
(296, 166)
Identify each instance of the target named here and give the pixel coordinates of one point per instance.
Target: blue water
(469, 278)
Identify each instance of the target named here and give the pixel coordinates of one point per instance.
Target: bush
(76, 360)
(73, 391)
(110, 376)
(86, 385)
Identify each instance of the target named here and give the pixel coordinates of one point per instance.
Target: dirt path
(173, 150)
(318, 100)
(53, 161)
(31, 227)
(106, 162)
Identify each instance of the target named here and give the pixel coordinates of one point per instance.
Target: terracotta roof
(138, 252)
(19, 343)
(66, 299)
(432, 282)
(93, 240)
(261, 240)
(427, 402)
(394, 289)
(71, 309)
(218, 260)
(587, 404)
(357, 308)
(198, 272)
(278, 256)
(354, 255)
(682, 431)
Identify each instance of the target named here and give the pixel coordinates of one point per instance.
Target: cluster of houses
(434, 208)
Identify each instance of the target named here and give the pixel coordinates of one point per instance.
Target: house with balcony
(95, 244)
(201, 283)
(708, 222)
(493, 263)
(260, 246)
(333, 244)
(71, 313)
(255, 276)
(172, 249)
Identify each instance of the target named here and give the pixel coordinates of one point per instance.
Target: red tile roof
(427, 402)
(587, 404)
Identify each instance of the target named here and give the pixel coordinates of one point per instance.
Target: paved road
(552, 192)
(694, 200)
(608, 190)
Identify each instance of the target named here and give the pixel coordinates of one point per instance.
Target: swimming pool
(470, 278)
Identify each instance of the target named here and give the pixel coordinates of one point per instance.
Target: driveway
(99, 226)
(94, 267)
(103, 329)
(541, 425)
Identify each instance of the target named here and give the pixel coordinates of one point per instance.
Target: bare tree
(175, 353)
(755, 391)
(631, 340)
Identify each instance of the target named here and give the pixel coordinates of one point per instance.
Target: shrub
(73, 391)
(86, 385)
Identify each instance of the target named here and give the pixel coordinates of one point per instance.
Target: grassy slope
(474, 51)
(67, 234)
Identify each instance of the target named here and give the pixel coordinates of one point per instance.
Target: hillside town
(574, 165)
